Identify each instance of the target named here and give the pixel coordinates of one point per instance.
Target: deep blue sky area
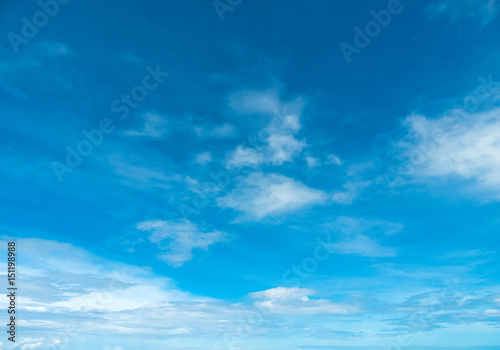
(246, 174)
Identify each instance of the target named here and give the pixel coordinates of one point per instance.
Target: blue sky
(252, 175)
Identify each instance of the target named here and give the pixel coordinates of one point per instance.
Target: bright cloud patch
(181, 238)
(203, 158)
(460, 145)
(280, 145)
(278, 142)
(296, 301)
(258, 195)
(69, 292)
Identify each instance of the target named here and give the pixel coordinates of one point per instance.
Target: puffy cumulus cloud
(155, 126)
(258, 195)
(456, 146)
(245, 156)
(279, 145)
(179, 238)
(312, 162)
(277, 142)
(282, 146)
(296, 301)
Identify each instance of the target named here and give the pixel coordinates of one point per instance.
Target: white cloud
(98, 295)
(182, 236)
(312, 162)
(258, 195)
(29, 343)
(57, 274)
(458, 145)
(203, 158)
(261, 102)
(278, 142)
(154, 126)
(279, 145)
(282, 146)
(244, 156)
(296, 301)
(283, 293)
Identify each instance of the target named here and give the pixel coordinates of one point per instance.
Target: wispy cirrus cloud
(38, 55)
(358, 237)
